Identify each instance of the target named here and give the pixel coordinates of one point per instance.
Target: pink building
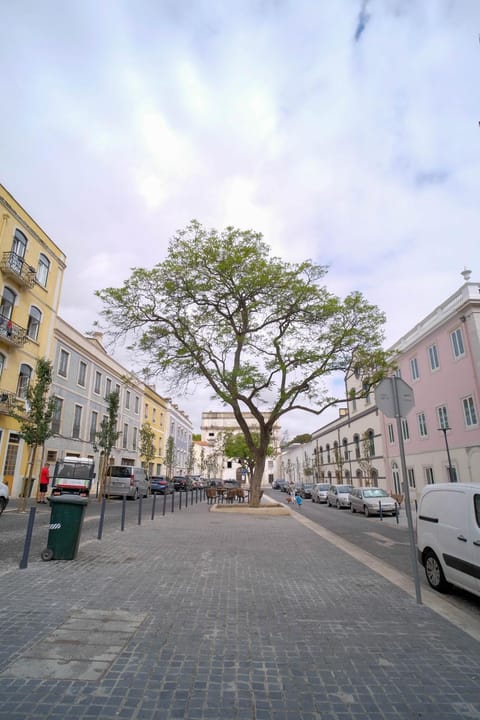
(440, 359)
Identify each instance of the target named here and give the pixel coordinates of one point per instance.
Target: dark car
(160, 485)
(279, 484)
(181, 483)
(306, 490)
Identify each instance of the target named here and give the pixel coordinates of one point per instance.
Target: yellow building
(31, 273)
(155, 413)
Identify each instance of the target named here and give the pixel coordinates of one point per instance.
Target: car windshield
(374, 492)
(345, 488)
(322, 486)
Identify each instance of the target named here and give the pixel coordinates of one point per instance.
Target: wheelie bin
(66, 519)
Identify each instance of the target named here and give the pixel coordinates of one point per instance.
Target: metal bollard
(28, 539)
(196, 496)
(153, 505)
(380, 509)
(102, 518)
(186, 497)
(173, 501)
(179, 499)
(164, 503)
(397, 512)
(140, 510)
(124, 510)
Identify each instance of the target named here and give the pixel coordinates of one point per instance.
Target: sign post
(395, 399)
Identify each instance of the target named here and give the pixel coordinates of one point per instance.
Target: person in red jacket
(44, 481)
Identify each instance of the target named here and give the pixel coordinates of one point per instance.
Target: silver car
(3, 496)
(369, 500)
(339, 496)
(320, 492)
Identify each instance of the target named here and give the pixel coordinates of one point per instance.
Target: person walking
(44, 482)
(298, 500)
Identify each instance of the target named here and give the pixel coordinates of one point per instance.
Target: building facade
(31, 274)
(180, 430)
(155, 415)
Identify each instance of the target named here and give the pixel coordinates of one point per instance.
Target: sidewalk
(211, 616)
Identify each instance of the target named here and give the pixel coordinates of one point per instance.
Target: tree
(170, 456)
(263, 333)
(365, 461)
(108, 436)
(302, 439)
(34, 418)
(235, 446)
(147, 447)
(190, 459)
(307, 466)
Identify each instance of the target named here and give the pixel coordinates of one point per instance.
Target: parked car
(127, 480)
(305, 491)
(320, 492)
(279, 484)
(161, 485)
(339, 496)
(3, 496)
(180, 483)
(448, 535)
(368, 500)
(286, 487)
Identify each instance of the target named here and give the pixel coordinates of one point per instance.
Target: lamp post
(450, 467)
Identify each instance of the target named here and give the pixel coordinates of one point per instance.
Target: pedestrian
(299, 501)
(44, 481)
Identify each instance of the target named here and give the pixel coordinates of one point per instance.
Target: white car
(3, 497)
(320, 492)
(369, 500)
(339, 496)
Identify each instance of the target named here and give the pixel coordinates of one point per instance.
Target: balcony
(7, 401)
(14, 267)
(11, 333)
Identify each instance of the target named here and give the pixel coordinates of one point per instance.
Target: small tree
(364, 461)
(35, 418)
(147, 447)
(108, 436)
(190, 459)
(170, 456)
(307, 467)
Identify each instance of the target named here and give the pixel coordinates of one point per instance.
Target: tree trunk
(22, 505)
(256, 482)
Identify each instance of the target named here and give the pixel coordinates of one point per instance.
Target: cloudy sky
(346, 131)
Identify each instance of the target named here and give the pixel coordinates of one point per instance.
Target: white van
(126, 480)
(448, 535)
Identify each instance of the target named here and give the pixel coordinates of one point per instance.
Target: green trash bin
(66, 519)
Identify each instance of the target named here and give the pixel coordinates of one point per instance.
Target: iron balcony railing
(7, 401)
(15, 267)
(11, 333)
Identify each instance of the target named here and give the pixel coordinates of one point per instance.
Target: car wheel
(337, 505)
(3, 505)
(352, 509)
(366, 511)
(434, 572)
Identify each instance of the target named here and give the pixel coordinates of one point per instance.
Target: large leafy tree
(263, 333)
(34, 416)
(236, 447)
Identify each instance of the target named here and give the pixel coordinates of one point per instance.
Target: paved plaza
(214, 616)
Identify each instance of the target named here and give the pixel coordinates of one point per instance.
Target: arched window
(359, 475)
(321, 455)
(329, 476)
(374, 477)
(19, 244)
(7, 303)
(43, 269)
(356, 442)
(347, 477)
(327, 447)
(371, 442)
(23, 380)
(2, 363)
(345, 448)
(34, 320)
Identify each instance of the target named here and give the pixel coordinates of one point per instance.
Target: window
(433, 357)
(108, 388)
(125, 436)
(366, 390)
(77, 419)
(457, 343)
(93, 426)
(63, 363)
(24, 377)
(470, 412)
(19, 244)
(345, 448)
(154, 414)
(414, 369)
(411, 477)
(370, 437)
(356, 442)
(422, 425)
(98, 382)
(442, 417)
(396, 478)
(353, 395)
(398, 373)
(145, 414)
(2, 363)
(34, 323)
(405, 430)
(134, 439)
(429, 476)
(43, 270)
(7, 303)
(82, 373)
(127, 399)
(137, 403)
(117, 389)
(57, 415)
(391, 433)
(328, 453)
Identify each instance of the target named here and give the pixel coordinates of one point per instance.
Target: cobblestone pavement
(207, 616)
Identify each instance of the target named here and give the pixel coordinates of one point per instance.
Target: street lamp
(450, 467)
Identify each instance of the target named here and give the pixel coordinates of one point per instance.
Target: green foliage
(170, 456)
(303, 438)
(108, 434)
(236, 447)
(262, 332)
(147, 447)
